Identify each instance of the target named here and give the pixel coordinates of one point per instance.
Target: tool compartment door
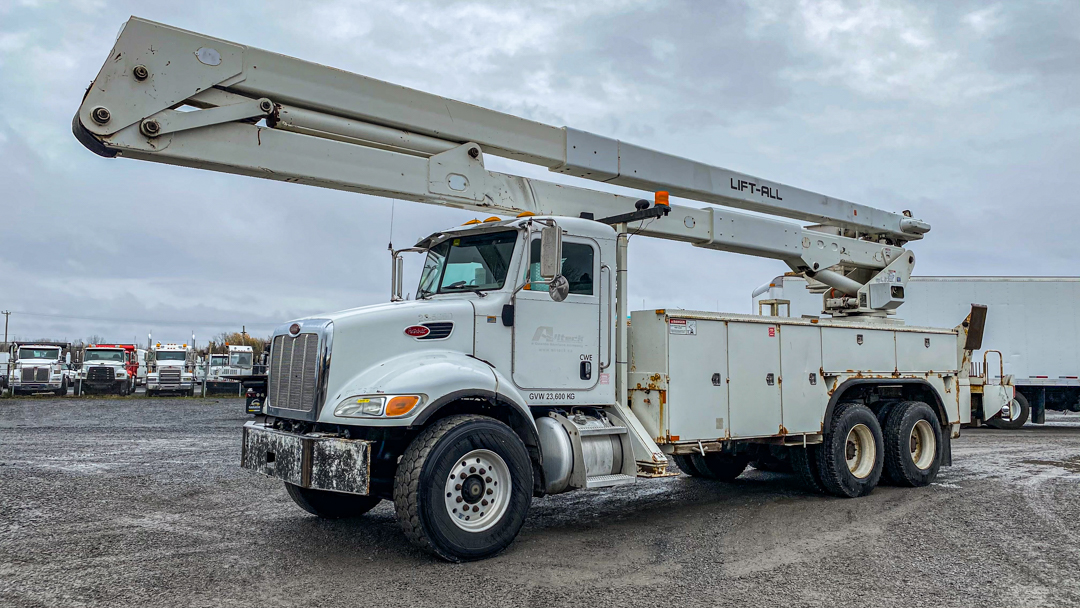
(697, 400)
(754, 372)
(803, 393)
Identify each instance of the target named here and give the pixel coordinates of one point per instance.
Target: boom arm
(329, 128)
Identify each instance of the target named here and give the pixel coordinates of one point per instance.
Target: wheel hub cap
(477, 491)
(923, 444)
(860, 451)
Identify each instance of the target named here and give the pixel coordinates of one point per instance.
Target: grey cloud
(965, 113)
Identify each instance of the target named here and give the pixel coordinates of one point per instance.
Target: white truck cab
(171, 370)
(107, 368)
(236, 361)
(39, 368)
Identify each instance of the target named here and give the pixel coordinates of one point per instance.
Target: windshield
(98, 354)
(39, 353)
(218, 359)
(476, 262)
(240, 359)
(171, 355)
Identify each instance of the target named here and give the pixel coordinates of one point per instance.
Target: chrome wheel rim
(860, 451)
(477, 491)
(923, 445)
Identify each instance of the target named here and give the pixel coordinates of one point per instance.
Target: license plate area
(309, 461)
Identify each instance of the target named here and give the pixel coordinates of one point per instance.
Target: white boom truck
(510, 375)
(171, 370)
(42, 367)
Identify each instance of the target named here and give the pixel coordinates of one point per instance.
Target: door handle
(585, 370)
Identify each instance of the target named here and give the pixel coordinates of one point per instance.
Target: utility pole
(7, 315)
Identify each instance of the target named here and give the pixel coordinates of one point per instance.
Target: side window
(577, 267)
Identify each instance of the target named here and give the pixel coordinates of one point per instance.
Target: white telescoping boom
(494, 385)
(334, 129)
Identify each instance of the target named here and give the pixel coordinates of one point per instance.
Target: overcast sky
(967, 113)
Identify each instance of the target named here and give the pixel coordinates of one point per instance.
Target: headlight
(120, 374)
(369, 406)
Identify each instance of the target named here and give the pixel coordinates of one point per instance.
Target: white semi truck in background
(236, 361)
(513, 373)
(42, 367)
(171, 369)
(1032, 334)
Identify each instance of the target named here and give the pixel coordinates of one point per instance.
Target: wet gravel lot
(141, 502)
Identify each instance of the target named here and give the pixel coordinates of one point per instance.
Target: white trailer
(514, 374)
(1032, 331)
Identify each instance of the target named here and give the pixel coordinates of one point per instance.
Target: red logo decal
(677, 321)
(417, 331)
(772, 332)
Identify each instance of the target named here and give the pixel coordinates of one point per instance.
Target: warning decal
(682, 327)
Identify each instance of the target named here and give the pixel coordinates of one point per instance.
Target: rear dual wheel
(850, 457)
(913, 444)
(718, 466)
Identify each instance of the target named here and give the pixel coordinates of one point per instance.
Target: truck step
(604, 430)
(604, 481)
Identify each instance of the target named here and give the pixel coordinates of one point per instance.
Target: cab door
(557, 344)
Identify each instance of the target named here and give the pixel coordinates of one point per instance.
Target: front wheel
(63, 390)
(463, 488)
(330, 505)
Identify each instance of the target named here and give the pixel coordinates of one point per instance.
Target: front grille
(101, 373)
(294, 370)
(439, 330)
(35, 374)
(169, 375)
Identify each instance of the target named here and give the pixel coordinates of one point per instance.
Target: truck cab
(39, 368)
(171, 370)
(109, 368)
(223, 368)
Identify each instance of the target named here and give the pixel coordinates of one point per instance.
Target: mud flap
(317, 461)
(946, 446)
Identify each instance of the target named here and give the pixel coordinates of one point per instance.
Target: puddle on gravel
(1069, 464)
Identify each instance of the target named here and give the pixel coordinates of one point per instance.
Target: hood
(365, 339)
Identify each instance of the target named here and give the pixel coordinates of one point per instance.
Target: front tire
(463, 487)
(912, 444)
(330, 505)
(1021, 420)
(851, 457)
(63, 390)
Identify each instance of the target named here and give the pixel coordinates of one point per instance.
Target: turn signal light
(399, 406)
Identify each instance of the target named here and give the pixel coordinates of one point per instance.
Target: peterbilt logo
(294, 328)
(417, 331)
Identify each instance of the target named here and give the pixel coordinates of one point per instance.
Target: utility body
(109, 368)
(1033, 335)
(514, 373)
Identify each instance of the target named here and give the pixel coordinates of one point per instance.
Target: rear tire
(852, 454)
(685, 462)
(912, 444)
(721, 467)
(1025, 413)
(63, 390)
(330, 505)
(463, 487)
(772, 464)
(805, 464)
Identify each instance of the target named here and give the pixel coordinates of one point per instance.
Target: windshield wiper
(465, 289)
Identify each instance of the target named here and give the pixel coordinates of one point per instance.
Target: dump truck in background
(1032, 331)
(108, 368)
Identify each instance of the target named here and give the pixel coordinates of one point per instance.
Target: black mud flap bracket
(313, 460)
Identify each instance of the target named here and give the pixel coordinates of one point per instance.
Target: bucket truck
(514, 373)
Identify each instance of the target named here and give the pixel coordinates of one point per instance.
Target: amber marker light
(399, 406)
(662, 198)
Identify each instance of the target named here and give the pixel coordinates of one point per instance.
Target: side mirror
(550, 252)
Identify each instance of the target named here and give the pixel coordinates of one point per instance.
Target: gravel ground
(139, 502)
